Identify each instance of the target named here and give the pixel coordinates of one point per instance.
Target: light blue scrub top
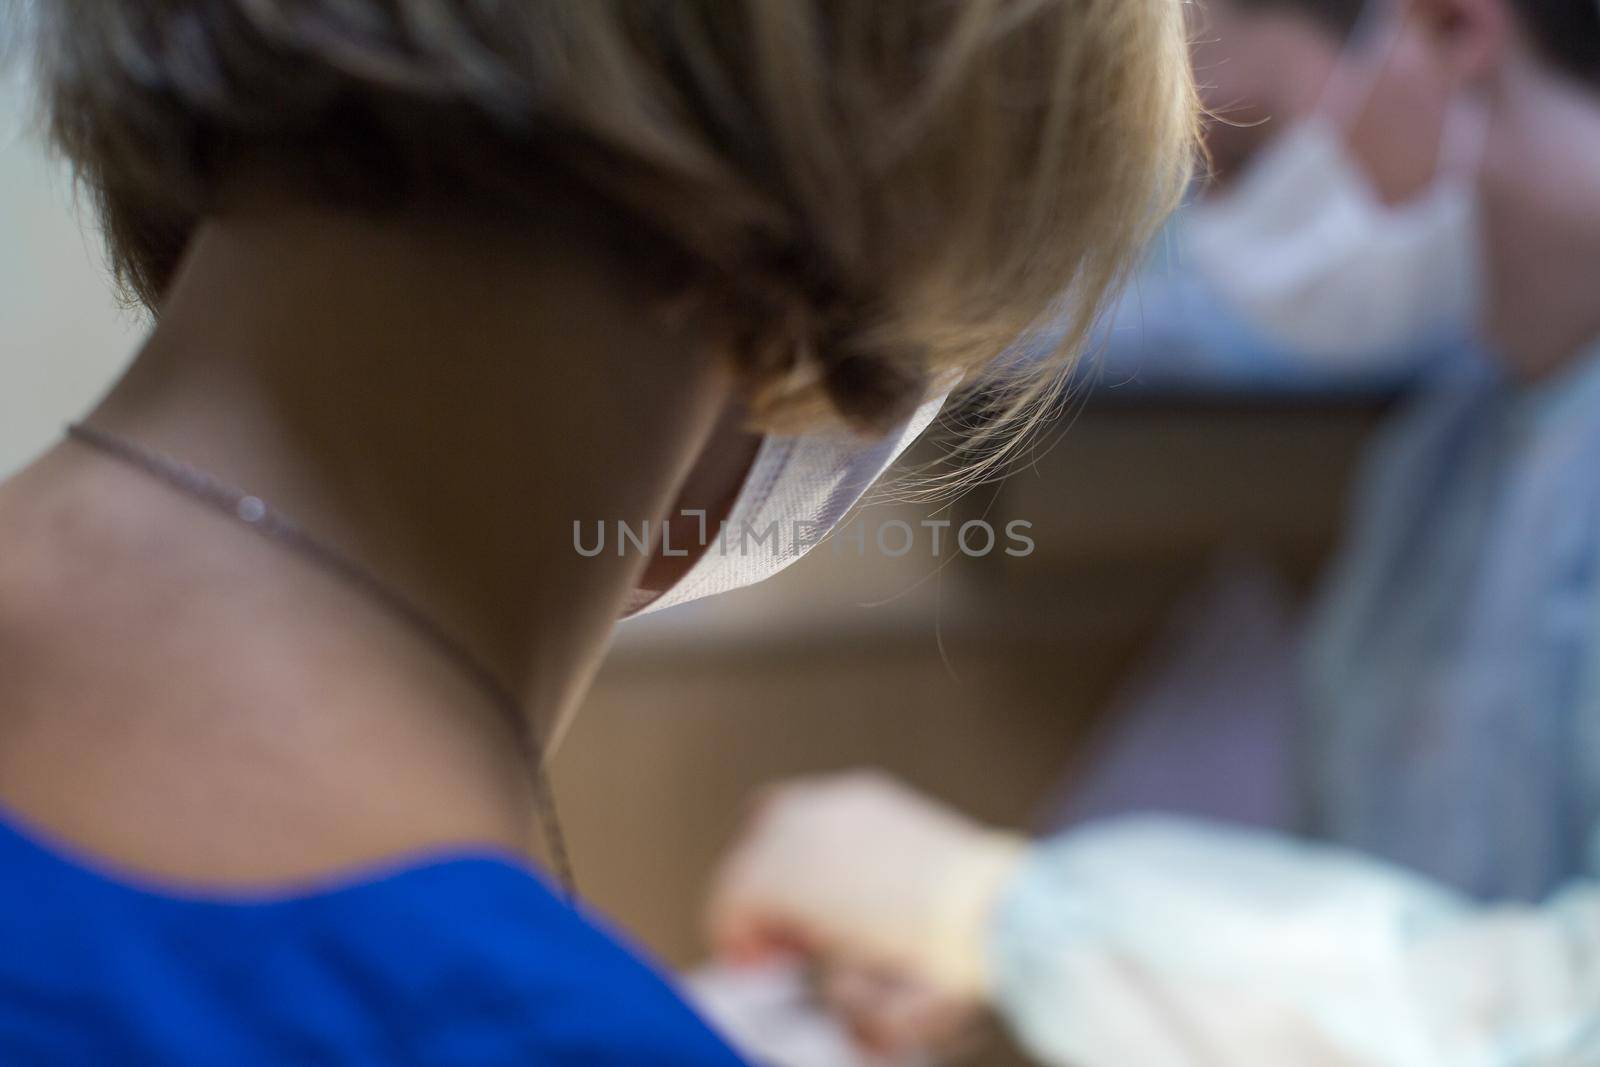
(1453, 689)
(1451, 918)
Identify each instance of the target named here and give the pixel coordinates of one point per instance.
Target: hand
(897, 1020)
(859, 870)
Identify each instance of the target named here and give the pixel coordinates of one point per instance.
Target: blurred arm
(1175, 942)
(1164, 942)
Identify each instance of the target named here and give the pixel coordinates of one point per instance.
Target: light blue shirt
(1455, 714)
(1451, 915)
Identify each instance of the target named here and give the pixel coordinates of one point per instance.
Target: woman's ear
(1470, 38)
(1440, 51)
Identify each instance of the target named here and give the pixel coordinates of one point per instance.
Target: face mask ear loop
(1355, 74)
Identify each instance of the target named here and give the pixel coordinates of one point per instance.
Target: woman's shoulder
(442, 959)
(493, 961)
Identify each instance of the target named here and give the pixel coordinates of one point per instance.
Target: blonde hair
(860, 198)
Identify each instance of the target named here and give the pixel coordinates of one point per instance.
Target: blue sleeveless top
(458, 960)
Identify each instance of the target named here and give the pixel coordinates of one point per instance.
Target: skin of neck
(1541, 218)
(438, 399)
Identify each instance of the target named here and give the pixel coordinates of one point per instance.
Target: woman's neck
(439, 405)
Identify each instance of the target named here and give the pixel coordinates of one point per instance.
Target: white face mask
(797, 490)
(1306, 249)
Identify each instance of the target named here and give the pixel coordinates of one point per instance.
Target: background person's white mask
(804, 484)
(1309, 253)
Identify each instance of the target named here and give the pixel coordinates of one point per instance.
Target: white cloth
(770, 1016)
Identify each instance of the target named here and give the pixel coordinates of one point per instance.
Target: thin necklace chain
(254, 513)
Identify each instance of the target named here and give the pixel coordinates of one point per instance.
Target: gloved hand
(899, 1020)
(860, 871)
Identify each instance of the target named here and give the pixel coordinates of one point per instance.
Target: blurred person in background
(1206, 722)
(1250, 293)
(287, 623)
(1450, 912)
(1205, 314)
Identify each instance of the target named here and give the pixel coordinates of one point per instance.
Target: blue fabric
(1454, 668)
(454, 960)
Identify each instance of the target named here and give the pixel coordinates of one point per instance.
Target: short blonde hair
(859, 197)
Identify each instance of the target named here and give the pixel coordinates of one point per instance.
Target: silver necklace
(254, 513)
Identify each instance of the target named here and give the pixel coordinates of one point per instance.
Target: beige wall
(62, 336)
